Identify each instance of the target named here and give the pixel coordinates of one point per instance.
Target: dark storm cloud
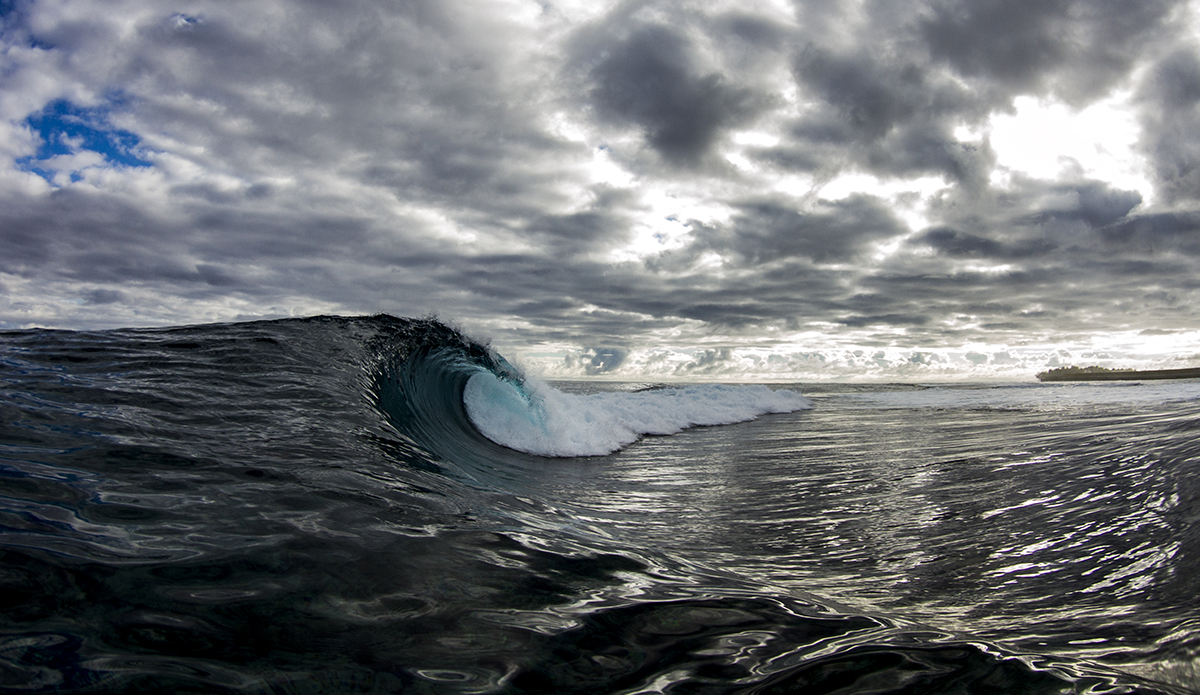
(1075, 48)
(603, 222)
(1038, 257)
(749, 32)
(885, 319)
(1011, 42)
(96, 240)
(955, 243)
(102, 296)
(889, 98)
(1032, 222)
(1059, 254)
(1159, 233)
(602, 360)
(835, 231)
(626, 300)
(648, 75)
(213, 255)
(1171, 119)
(86, 226)
(881, 97)
(1099, 205)
(888, 112)
(414, 96)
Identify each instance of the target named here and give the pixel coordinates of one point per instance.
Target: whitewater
(533, 417)
(380, 504)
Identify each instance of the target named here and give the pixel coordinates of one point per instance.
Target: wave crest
(536, 418)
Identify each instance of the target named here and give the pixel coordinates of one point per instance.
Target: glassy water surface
(309, 506)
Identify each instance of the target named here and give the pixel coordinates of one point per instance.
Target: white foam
(551, 423)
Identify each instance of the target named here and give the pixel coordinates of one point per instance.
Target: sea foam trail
(538, 419)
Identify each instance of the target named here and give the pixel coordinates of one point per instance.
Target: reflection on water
(302, 507)
(1055, 535)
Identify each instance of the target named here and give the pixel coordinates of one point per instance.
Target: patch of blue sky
(65, 128)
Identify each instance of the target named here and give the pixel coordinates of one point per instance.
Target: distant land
(1105, 374)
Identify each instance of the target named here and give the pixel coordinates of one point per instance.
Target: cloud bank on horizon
(652, 189)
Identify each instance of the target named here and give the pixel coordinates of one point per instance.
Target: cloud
(1074, 48)
(1049, 218)
(1170, 117)
(102, 296)
(1157, 233)
(956, 243)
(890, 113)
(792, 363)
(885, 319)
(603, 360)
(675, 187)
(889, 96)
(768, 230)
(648, 75)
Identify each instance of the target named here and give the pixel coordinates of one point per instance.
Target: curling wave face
(445, 390)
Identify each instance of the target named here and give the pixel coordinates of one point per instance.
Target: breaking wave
(449, 387)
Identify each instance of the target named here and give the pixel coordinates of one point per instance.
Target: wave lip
(535, 418)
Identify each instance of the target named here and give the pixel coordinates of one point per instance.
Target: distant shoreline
(1104, 374)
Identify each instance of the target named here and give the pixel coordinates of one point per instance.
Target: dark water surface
(304, 506)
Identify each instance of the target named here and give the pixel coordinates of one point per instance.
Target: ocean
(381, 505)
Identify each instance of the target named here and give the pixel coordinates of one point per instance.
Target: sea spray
(536, 418)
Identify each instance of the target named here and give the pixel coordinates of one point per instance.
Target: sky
(754, 190)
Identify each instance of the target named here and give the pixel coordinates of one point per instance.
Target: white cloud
(1047, 140)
